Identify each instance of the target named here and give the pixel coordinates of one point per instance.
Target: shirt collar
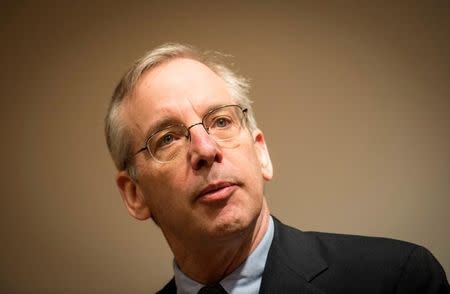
(245, 279)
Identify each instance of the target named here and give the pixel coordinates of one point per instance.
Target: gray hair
(118, 137)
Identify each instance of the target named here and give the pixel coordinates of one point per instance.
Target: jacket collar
(294, 260)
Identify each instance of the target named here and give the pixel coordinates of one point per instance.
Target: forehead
(182, 89)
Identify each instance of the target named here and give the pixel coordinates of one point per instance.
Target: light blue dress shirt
(246, 279)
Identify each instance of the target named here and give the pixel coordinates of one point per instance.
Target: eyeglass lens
(222, 124)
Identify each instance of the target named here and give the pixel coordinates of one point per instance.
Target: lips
(217, 192)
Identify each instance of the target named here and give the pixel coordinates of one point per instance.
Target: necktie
(213, 289)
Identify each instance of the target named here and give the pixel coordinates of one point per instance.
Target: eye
(166, 140)
(221, 122)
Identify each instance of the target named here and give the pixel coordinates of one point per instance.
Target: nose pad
(203, 150)
(189, 129)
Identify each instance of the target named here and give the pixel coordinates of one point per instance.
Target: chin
(231, 223)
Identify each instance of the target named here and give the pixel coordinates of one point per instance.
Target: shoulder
(401, 266)
(170, 287)
(332, 245)
(410, 267)
(358, 246)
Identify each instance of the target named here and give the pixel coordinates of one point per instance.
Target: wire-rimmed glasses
(222, 124)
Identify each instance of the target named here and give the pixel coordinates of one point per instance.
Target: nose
(203, 150)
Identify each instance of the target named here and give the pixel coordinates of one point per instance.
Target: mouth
(216, 192)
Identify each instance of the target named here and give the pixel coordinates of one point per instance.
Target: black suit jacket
(311, 262)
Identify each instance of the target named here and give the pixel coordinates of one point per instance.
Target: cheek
(247, 164)
(250, 157)
(162, 189)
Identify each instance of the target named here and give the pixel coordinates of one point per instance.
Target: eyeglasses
(222, 124)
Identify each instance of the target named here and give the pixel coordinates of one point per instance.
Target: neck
(211, 262)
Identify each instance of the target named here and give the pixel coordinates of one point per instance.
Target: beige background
(354, 100)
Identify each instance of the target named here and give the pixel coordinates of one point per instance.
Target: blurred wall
(354, 99)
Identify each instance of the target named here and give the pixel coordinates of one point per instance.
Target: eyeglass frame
(188, 136)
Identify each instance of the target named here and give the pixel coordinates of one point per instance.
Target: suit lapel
(169, 288)
(293, 262)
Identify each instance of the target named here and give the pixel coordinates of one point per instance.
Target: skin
(210, 234)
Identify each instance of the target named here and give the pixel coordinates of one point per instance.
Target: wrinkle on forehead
(180, 89)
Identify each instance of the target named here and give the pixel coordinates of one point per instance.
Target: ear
(263, 154)
(132, 196)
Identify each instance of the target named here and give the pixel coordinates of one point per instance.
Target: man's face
(208, 190)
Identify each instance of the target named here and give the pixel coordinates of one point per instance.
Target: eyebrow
(214, 106)
(160, 124)
(167, 121)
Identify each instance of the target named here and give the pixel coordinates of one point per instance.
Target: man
(181, 131)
